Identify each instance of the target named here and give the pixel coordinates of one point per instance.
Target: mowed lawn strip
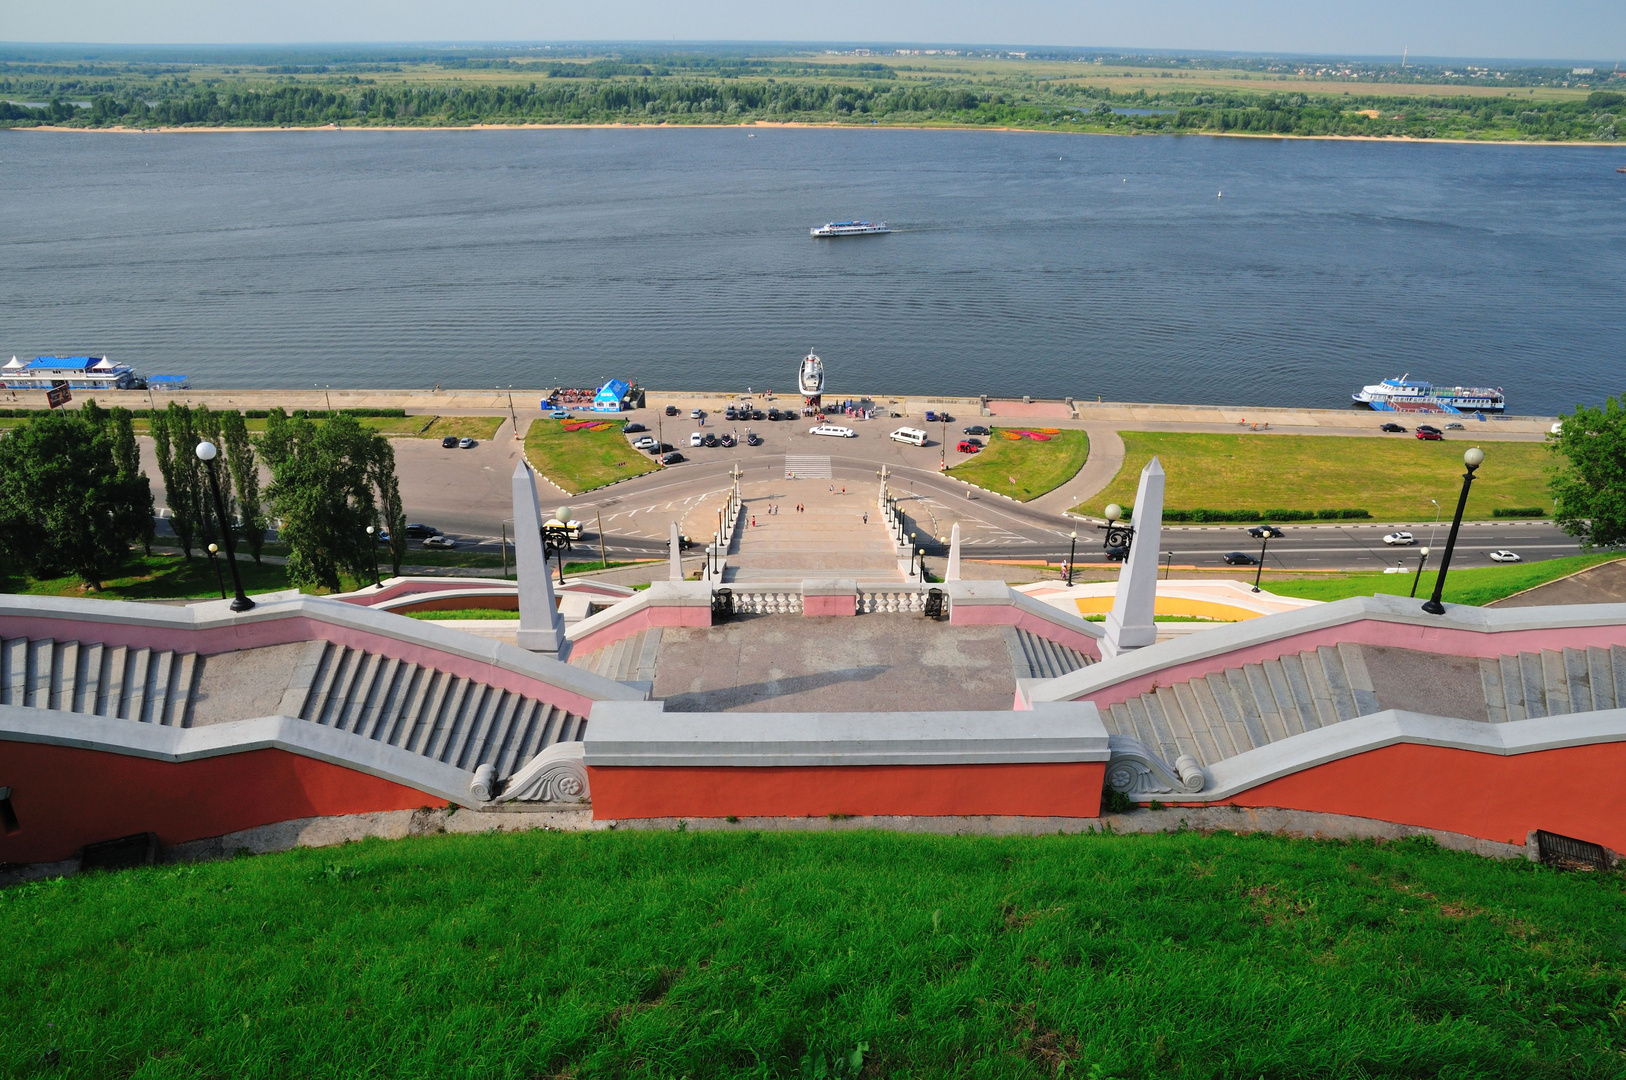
(1463, 585)
(1037, 466)
(726, 954)
(582, 460)
(1393, 477)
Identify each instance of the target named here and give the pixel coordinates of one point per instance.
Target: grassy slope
(723, 955)
(1038, 466)
(1469, 585)
(149, 577)
(1394, 478)
(461, 613)
(582, 460)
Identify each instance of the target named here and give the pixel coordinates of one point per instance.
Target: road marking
(807, 467)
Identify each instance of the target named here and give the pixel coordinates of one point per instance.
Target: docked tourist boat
(810, 376)
(79, 372)
(1406, 394)
(851, 228)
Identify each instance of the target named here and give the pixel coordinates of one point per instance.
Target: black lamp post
(1118, 535)
(1266, 535)
(1421, 562)
(1072, 551)
(214, 557)
(1474, 458)
(372, 550)
(207, 453)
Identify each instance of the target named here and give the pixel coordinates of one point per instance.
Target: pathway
(829, 539)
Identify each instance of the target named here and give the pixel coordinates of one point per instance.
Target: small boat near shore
(850, 228)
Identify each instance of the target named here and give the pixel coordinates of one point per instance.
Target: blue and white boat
(851, 228)
(79, 372)
(1406, 394)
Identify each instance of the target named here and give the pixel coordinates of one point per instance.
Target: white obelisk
(1130, 623)
(541, 626)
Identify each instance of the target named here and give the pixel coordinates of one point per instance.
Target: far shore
(829, 125)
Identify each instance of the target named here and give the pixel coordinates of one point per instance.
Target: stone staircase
(448, 718)
(830, 540)
(632, 659)
(1553, 682)
(1218, 716)
(1034, 657)
(116, 681)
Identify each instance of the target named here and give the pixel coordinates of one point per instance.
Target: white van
(912, 436)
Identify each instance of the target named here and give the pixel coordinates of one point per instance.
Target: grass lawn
(1394, 478)
(1468, 585)
(1038, 467)
(461, 613)
(582, 460)
(154, 577)
(704, 954)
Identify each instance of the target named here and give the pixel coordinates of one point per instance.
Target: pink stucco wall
(838, 604)
(1011, 615)
(643, 618)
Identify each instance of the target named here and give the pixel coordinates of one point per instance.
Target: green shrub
(1519, 511)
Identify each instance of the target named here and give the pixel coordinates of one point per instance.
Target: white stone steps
(1553, 682)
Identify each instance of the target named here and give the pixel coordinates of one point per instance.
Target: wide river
(1195, 269)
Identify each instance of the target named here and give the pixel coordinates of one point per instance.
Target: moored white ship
(1406, 394)
(810, 376)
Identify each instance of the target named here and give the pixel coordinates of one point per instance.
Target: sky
(1526, 29)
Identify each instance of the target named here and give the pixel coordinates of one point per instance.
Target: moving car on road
(835, 430)
(1429, 435)
(440, 542)
(419, 531)
(1453, 427)
(673, 458)
(1504, 555)
(1393, 427)
(1259, 532)
(560, 414)
(1240, 558)
(1400, 539)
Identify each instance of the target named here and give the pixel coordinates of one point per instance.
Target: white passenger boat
(851, 228)
(79, 372)
(810, 376)
(1406, 394)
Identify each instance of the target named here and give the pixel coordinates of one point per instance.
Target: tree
(1589, 484)
(321, 489)
(245, 477)
(381, 472)
(119, 423)
(175, 445)
(65, 505)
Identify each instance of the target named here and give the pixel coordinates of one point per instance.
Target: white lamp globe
(1474, 458)
(206, 451)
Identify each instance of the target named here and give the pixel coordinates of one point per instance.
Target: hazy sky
(1564, 29)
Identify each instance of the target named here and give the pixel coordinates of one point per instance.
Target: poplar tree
(245, 477)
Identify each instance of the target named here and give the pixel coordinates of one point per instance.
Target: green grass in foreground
(1392, 477)
(153, 577)
(1467, 585)
(698, 954)
(1037, 466)
(582, 460)
(461, 613)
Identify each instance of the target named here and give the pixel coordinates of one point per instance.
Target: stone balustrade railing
(890, 598)
(757, 598)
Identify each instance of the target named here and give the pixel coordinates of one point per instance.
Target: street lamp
(1474, 458)
(372, 550)
(1422, 562)
(207, 453)
(214, 552)
(1072, 550)
(1118, 536)
(1266, 535)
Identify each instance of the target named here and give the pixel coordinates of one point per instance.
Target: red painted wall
(66, 797)
(1576, 791)
(1048, 789)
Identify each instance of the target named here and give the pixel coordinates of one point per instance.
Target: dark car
(753, 439)
(976, 429)
(673, 458)
(1428, 435)
(660, 448)
(419, 531)
(729, 440)
(1259, 532)
(973, 441)
(757, 414)
(449, 442)
(1428, 427)
(773, 413)
(633, 429)
(731, 413)
(710, 439)
(1393, 427)
(1239, 558)
(1117, 553)
(671, 410)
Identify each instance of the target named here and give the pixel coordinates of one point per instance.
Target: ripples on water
(1021, 263)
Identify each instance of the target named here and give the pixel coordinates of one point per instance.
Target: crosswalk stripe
(807, 467)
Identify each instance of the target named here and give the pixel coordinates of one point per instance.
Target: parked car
(465, 443)
(439, 542)
(673, 458)
(1428, 435)
(1240, 558)
(644, 442)
(731, 413)
(671, 410)
(449, 442)
(976, 429)
(931, 417)
(710, 439)
(833, 429)
(753, 439)
(1259, 532)
(974, 441)
(633, 429)
(419, 531)
(912, 436)
(773, 413)
(1393, 427)
(697, 439)
(660, 448)
(1504, 555)
(968, 446)
(757, 414)
(1400, 539)
(696, 414)
(1453, 427)
(729, 440)
(560, 414)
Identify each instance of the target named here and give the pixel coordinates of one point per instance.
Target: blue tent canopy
(610, 396)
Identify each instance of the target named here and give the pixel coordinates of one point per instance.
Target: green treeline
(582, 98)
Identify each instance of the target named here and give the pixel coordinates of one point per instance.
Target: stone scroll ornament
(1135, 770)
(556, 775)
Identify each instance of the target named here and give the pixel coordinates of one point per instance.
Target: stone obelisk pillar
(541, 627)
(1129, 625)
(953, 571)
(674, 560)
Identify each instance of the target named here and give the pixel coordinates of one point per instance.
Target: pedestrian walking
(866, 517)
(753, 521)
